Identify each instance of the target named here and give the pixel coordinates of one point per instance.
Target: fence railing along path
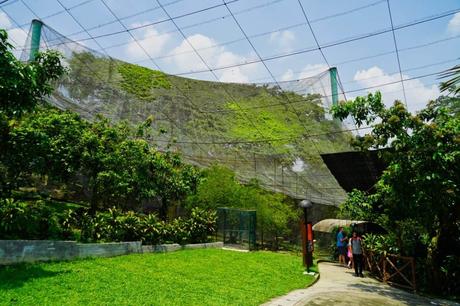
(392, 269)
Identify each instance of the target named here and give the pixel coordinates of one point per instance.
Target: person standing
(350, 255)
(341, 246)
(357, 251)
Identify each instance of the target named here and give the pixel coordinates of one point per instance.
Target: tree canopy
(417, 196)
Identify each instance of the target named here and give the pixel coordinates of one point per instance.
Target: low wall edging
(19, 251)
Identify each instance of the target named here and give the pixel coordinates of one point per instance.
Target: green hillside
(213, 122)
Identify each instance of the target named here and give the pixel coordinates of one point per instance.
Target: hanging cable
(397, 52)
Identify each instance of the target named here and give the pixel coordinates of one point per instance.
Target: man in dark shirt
(357, 251)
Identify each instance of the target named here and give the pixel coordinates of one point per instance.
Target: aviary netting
(274, 133)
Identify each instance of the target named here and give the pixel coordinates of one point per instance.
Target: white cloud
(308, 71)
(214, 57)
(18, 36)
(4, 21)
(283, 39)
(416, 92)
(288, 75)
(152, 41)
(234, 75)
(189, 60)
(454, 24)
(312, 70)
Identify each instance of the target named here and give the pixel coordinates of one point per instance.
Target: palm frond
(453, 84)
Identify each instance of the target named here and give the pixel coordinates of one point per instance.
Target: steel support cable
(14, 22)
(408, 69)
(301, 51)
(83, 28)
(397, 52)
(239, 39)
(321, 50)
(171, 31)
(328, 45)
(410, 24)
(208, 20)
(9, 37)
(358, 59)
(99, 25)
(160, 21)
(130, 34)
(60, 12)
(324, 56)
(193, 25)
(313, 33)
(164, 33)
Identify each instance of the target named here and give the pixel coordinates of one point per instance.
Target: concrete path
(338, 286)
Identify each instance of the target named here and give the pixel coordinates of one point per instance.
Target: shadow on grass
(16, 276)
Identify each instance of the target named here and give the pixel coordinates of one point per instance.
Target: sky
(278, 33)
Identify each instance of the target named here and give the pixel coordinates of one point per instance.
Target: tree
(220, 188)
(173, 179)
(22, 87)
(419, 192)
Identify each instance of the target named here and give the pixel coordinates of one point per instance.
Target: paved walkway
(338, 286)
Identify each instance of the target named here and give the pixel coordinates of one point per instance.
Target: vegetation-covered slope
(214, 122)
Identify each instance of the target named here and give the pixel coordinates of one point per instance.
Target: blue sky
(275, 27)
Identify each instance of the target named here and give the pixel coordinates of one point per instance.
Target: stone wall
(17, 251)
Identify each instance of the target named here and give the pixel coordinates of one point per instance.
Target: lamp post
(307, 235)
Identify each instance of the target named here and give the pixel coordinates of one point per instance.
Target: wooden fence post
(413, 274)
(384, 268)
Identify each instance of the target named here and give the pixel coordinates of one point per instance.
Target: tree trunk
(163, 210)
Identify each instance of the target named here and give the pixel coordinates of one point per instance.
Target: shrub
(31, 220)
(201, 224)
(36, 220)
(152, 230)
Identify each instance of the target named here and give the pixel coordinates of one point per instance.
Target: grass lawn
(189, 277)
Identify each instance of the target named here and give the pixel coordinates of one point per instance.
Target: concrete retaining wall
(163, 248)
(17, 251)
(108, 249)
(204, 245)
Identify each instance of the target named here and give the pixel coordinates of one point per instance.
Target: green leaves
(219, 188)
(451, 85)
(417, 196)
(24, 85)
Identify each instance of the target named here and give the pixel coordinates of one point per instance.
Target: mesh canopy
(272, 132)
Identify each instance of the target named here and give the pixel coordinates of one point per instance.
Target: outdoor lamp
(305, 204)
(307, 235)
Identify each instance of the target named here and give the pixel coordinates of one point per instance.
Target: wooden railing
(392, 269)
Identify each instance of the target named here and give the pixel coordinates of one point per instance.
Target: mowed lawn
(188, 277)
